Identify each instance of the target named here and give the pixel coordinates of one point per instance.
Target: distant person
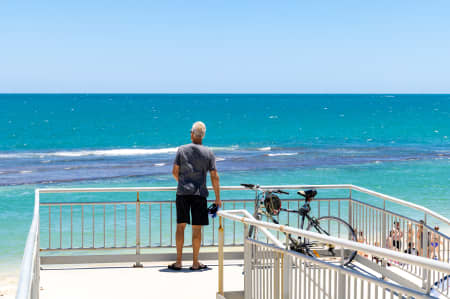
(420, 239)
(191, 165)
(397, 236)
(361, 239)
(435, 242)
(389, 240)
(410, 241)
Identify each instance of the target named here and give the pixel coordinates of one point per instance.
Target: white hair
(199, 129)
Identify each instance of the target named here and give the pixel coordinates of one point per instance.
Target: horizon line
(228, 93)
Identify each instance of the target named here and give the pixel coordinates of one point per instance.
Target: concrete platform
(154, 280)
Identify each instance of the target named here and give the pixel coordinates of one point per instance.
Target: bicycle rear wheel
(334, 227)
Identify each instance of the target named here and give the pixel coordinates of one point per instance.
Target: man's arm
(216, 186)
(176, 171)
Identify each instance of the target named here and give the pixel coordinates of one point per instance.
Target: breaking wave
(282, 154)
(102, 153)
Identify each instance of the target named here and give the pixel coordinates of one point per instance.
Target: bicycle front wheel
(334, 227)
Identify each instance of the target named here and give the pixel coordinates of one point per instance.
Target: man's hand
(218, 202)
(216, 186)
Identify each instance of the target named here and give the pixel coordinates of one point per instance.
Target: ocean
(396, 144)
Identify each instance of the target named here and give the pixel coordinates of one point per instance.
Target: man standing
(191, 165)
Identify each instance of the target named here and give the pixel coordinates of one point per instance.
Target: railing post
(221, 244)
(138, 232)
(286, 271)
(383, 226)
(342, 291)
(37, 265)
(247, 265)
(341, 279)
(276, 278)
(350, 214)
(286, 276)
(425, 272)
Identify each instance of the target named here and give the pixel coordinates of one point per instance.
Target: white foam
(107, 152)
(159, 164)
(268, 148)
(220, 159)
(82, 153)
(273, 116)
(117, 152)
(224, 148)
(26, 171)
(282, 154)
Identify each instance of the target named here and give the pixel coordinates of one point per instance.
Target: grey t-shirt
(195, 161)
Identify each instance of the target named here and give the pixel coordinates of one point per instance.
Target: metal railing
(273, 271)
(383, 228)
(28, 287)
(137, 225)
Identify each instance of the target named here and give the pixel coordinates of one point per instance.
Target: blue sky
(225, 46)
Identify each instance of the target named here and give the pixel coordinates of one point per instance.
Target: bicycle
(267, 203)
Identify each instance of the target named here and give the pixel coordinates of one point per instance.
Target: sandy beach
(8, 284)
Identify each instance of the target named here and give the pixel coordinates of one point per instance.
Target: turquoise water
(394, 144)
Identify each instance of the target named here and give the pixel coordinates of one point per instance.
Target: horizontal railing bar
(339, 269)
(85, 249)
(75, 203)
(150, 189)
(91, 203)
(126, 248)
(156, 202)
(263, 230)
(317, 199)
(385, 211)
(377, 251)
(229, 188)
(189, 246)
(401, 202)
(400, 216)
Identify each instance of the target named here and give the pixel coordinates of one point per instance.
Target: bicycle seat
(308, 194)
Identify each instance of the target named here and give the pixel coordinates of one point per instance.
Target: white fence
(130, 224)
(272, 271)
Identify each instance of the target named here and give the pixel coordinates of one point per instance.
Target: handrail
(28, 267)
(342, 270)
(29, 275)
(389, 254)
(144, 189)
(230, 188)
(270, 236)
(401, 202)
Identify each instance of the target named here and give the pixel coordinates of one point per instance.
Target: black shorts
(396, 244)
(194, 205)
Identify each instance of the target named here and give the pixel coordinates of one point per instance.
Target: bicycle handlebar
(250, 186)
(280, 191)
(256, 187)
